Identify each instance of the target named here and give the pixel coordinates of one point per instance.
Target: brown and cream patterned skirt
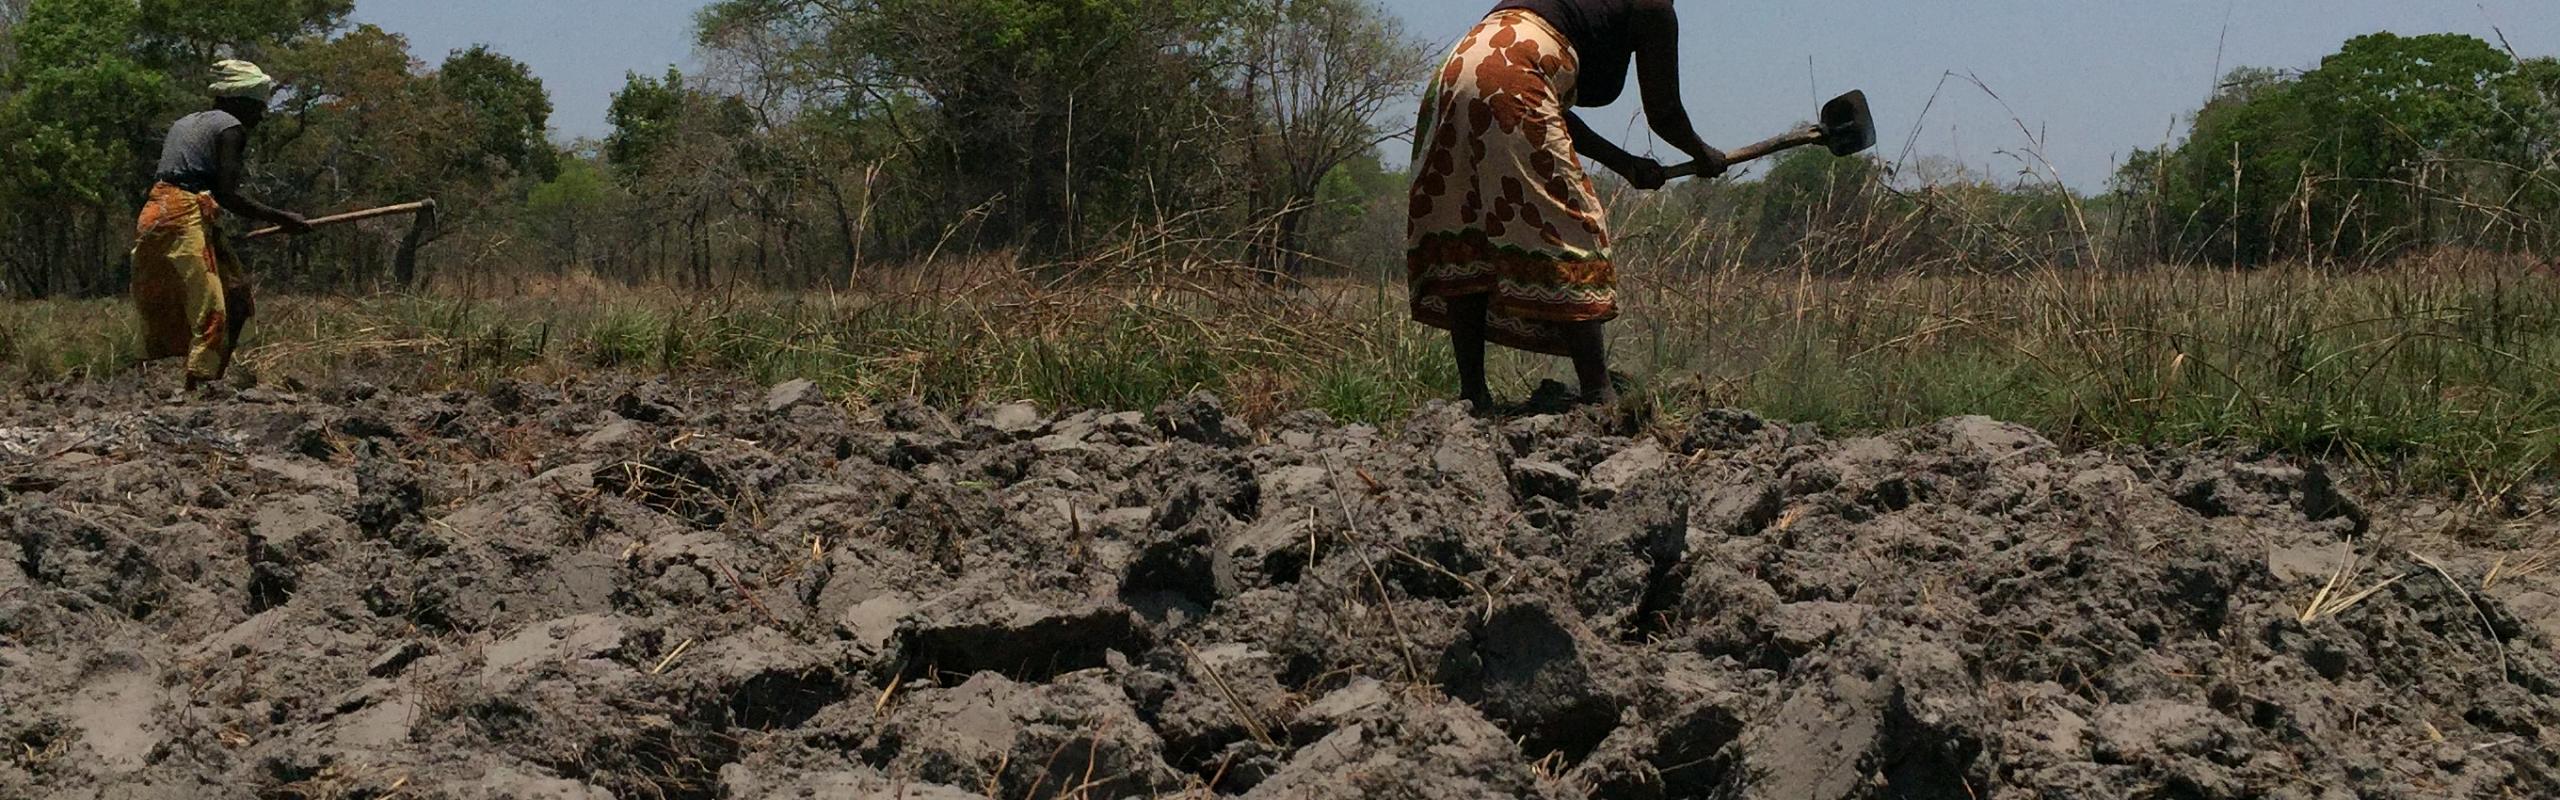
(1500, 204)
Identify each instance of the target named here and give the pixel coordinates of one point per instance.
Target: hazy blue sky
(2091, 78)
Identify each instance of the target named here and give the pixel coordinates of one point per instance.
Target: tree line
(2392, 144)
(823, 140)
(821, 136)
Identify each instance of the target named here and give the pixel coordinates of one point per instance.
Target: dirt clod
(662, 589)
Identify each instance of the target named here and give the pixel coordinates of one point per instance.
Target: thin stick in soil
(1244, 713)
(1386, 601)
(749, 594)
(888, 693)
(1094, 748)
(672, 655)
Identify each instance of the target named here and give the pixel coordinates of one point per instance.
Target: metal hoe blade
(1848, 126)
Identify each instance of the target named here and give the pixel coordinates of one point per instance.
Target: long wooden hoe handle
(1801, 137)
(352, 216)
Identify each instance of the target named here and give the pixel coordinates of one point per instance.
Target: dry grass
(2519, 566)
(2333, 599)
(2446, 370)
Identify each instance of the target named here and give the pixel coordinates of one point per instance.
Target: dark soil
(633, 589)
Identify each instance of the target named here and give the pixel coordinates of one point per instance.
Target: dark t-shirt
(1603, 33)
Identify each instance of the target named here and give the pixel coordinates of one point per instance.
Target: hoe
(1847, 128)
(406, 262)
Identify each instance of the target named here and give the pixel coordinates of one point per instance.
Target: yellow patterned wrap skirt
(193, 296)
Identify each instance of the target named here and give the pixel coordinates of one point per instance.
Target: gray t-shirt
(191, 159)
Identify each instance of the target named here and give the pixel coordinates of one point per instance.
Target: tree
(1050, 123)
(2536, 91)
(1358, 219)
(643, 114)
(567, 211)
(1320, 73)
(1062, 127)
(186, 35)
(79, 111)
(366, 125)
(685, 155)
(358, 129)
(2248, 153)
(1070, 112)
(510, 109)
(2391, 143)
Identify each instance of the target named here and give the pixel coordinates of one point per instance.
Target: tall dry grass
(2443, 370)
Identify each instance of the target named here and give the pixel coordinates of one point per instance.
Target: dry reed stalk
(886, 693)
(1491, 605)
(1092, 751)
(1386, 601)
(2531, 565)
(672, 655)
(2327, 603)
(995, 777)
(2489, 631)
(1244, 713)
(749, 594)
(1208, 789)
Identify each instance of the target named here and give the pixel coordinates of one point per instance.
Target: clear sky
(2091, 79)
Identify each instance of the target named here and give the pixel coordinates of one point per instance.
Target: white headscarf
(235, 78)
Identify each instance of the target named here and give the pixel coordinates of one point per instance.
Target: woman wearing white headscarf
(193, 296)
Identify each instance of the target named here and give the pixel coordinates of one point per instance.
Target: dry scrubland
(2444, 372)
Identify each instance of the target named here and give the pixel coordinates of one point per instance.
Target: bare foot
(1606, 395)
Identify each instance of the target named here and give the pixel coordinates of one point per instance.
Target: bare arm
(232, 153)
(1591, 144)
(1658, 71)
(1643, 172)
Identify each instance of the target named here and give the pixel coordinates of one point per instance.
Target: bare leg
(1467, 316)
(1590, 344)
(239, 302)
